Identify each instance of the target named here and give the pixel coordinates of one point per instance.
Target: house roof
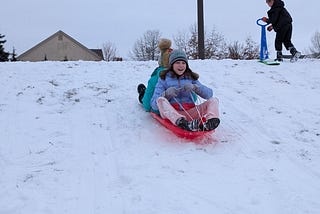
(94, 52)
(98, 52)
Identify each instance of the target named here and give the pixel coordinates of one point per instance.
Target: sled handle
(262, 25)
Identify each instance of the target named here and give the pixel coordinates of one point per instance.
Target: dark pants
(283, 36)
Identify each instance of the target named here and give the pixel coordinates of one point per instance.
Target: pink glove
(265, 19)
(270, 28)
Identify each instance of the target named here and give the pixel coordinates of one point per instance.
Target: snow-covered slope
(73, 139)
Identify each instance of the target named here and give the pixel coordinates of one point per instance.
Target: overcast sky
(122, 22)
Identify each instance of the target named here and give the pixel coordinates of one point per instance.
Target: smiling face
(179, 67)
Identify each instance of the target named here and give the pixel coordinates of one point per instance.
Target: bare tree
(315, 49)
(13, 55)
(152, 39)
(235, 50)
(109, 51)
(192, 50)
(146, 48)
(138, 52)
(251, 49)
(188, 42)
(215, 45)
(223, 51)
(181, 40)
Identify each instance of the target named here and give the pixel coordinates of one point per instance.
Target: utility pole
(200, 30)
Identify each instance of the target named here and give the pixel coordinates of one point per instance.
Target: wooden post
(200, 30)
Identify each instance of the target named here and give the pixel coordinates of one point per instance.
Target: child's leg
(167, 111)
(278, 41)
(287, 37)
(211, 108)
(208, 109)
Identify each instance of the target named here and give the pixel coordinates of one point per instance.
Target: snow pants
(283, 36)
(208, 109)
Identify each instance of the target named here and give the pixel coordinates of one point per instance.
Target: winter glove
(188, 87)
(270, 28)
(191, 87)
(265, 19)
(170, 93)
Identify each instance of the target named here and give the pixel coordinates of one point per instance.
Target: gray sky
(94, 22)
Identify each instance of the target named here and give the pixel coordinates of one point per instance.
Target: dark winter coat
(278, 15)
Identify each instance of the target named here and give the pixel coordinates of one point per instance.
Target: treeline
(145, 48)
(5, 56)
(216, 47)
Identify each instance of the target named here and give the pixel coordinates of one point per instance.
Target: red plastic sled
(178, 131)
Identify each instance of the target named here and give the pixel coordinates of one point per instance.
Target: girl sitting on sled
(175, 100)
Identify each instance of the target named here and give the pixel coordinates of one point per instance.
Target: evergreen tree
(4, 56)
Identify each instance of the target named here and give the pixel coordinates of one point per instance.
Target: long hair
(188, 73)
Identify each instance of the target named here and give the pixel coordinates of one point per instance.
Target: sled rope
(183, 108)
(196, 106)
(196, 102)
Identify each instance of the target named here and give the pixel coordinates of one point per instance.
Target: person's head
(178, 61)
(270, 2)
(165, 49)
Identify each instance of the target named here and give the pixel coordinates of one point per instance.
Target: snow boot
(211, 124)
(190, 126)
(141, 89)
(295, 54)
(279, 56)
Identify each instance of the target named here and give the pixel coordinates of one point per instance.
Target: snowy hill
(73, 139)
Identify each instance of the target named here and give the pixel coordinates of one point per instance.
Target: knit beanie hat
(164, 45)
(177, 55)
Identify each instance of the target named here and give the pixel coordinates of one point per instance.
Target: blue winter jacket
(178, 82)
